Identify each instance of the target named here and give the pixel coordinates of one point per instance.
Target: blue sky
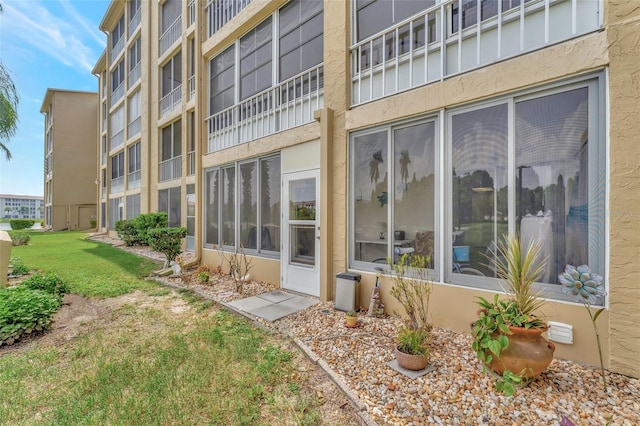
(44, 44)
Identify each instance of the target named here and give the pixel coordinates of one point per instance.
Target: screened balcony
(219, 12)
(171, 35)
(287, 105)
(171, 169)
(171, 101)
(430, 46)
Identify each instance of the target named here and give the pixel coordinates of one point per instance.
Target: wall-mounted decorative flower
(581, 282)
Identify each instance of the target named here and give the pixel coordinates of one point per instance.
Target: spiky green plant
(519, 269)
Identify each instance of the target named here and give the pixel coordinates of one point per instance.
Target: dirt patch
(80, 315)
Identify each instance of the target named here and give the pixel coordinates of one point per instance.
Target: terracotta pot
(411, 362)
(528, 353)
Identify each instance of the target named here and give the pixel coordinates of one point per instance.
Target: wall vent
(560, 332)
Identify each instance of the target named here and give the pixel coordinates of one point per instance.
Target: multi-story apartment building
(321, 135)
(21, 206)
(70, 123)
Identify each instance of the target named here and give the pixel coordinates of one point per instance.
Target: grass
(91, 268)
(145, 363)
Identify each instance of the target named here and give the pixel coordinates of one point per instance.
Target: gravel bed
(457, 392)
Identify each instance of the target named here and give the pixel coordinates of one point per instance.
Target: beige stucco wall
(74, 129)
(623, 37)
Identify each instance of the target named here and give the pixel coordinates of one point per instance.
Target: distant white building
(21, 206)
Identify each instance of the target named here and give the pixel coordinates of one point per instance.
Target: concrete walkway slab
(273, 305)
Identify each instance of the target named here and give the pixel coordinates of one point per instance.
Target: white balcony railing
(191, 158)
(134, 75)
(117, 48)
(134, 22)
(133, 180)
(219, 12)
(104, 89)
(133, 128)
(117, 139)
(171, 101)
(104, 158)
(192, 87)
(171, 169)
(288, 105)
(429, 47)
(192, 12)
(104, 124)
(171, 35)
(117, 94)
(117, 184)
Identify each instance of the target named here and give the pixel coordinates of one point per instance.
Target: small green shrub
(167, 241)
(203, 277)
(51, 283)
(23, 310)
(18, 268)
(93, 223)
(19, 238)
(135, 231)
(21, 223)
(128, 233)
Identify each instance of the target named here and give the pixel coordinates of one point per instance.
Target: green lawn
(91, 268)
(146, 363)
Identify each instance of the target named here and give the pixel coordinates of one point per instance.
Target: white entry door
(301, 233)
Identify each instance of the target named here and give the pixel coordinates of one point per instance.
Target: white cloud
(30, 23)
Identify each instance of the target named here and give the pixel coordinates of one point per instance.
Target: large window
(301, 41)
(135, 54)
(133, 206)
(170, 11)
(242, 205)
(392, 190)
(255, 60)
(169, 200)
(531, 164)
(117, 76)
(117, 166)
(118, 32)
(134, 158)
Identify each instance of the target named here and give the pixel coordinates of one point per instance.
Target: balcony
(288, 105)
(133, 180)
(219, 12)
(192, 87)
(117, 139)
(171, 101)
(117, 94)
(117, 184)
(171, 35)
(133, 128)
(429, 47)
(116, 49)
(171, 169)
(134, 22)
(104, 158)
(134, 75)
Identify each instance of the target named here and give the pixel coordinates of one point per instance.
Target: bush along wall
(135, 231)
(167, 241)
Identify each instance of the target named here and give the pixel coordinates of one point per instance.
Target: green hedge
(135, 231)
(21, 223)
(167, 241)
(23, 310)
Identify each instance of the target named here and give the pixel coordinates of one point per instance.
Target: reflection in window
(552, 179)
(248, 212)
(408, 153)
(228, 206)
(479, 176)
(169, 200)
(212, 196)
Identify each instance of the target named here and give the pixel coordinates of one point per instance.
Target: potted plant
(412, 288)
(508, 333)
(351, 319)
(412, 351)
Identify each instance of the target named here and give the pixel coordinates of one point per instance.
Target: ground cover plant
(23, 310)
(19, 238)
